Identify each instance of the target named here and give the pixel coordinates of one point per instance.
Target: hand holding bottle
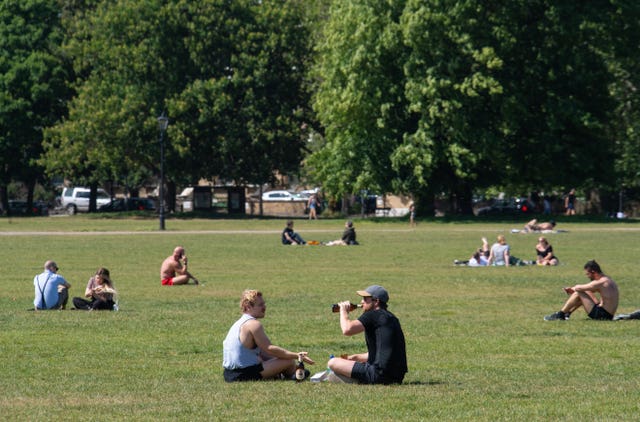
(304, 356)
(347, 305)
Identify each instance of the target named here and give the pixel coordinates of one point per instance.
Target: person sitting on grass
(174, 269)
(480, 258)
(247, 352)
(289, 237)
(500, 254)
(385, 361)
(534, 226)
(100, 293)
(348, 236)
(599, 298)
(51, 289)
(545, 253)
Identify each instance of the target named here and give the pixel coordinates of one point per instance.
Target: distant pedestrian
(312, 204)
(570, 202)
(412, 214)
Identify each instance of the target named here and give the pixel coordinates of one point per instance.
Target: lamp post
(163, 122)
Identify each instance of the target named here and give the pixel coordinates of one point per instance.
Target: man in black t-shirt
(385, 361)
(348, 236)
(289, 237)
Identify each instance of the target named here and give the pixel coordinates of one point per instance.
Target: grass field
(477, 346)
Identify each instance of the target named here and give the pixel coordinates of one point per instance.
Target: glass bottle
(300, 369)
(352, 307)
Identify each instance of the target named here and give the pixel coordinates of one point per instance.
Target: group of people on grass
(249, 355)
(500, 254)
(290, 237)
(52, 291)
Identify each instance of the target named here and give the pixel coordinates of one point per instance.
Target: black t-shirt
(349, 235)
(290, 232)
(385, 344)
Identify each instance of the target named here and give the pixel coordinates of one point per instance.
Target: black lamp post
(163, 122)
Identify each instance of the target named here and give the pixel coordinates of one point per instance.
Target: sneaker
(556, 316)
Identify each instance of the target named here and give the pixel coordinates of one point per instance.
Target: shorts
(599, 313)
(366, 373)
(167, 281)
(250, 373)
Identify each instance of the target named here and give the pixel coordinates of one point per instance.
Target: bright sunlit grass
(477, 346)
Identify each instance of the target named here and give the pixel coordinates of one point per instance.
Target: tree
(244, 110)
(482, 93)
(229, 75)
(33, 87)
(359, 99)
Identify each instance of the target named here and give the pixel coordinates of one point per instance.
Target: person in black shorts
(385, 361)
(599, 298)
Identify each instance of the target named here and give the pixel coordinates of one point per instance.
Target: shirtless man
(534, 226)
(586, 295)
(174, 269)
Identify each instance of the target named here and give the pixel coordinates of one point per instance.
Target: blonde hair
(501, 239)
(249, 298)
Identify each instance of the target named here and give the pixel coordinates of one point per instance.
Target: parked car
(17, 207)
(281, 195)
(511, 206)
(128, 204)
(77, 199)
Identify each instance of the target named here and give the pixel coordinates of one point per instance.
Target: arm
(349, 327)
(262, 341)
(589, 289)
(290, 239)
(506, 257)
(360, 357)
(88, 292)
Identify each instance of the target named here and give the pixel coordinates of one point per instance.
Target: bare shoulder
(252, 325)
(603, 282)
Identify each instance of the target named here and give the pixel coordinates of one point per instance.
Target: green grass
(477, 346)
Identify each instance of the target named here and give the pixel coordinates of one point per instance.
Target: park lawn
(477, 346)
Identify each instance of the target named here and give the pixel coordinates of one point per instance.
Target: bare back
(609, 294)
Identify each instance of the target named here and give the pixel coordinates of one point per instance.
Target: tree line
(421, 97)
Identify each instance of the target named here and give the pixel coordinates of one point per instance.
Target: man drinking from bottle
(385, 361)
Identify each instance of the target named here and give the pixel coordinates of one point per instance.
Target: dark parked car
(128, 204)
(512, 206)
(20, 208)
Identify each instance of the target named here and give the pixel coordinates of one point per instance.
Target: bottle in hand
(300, 370)
(352, 307)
